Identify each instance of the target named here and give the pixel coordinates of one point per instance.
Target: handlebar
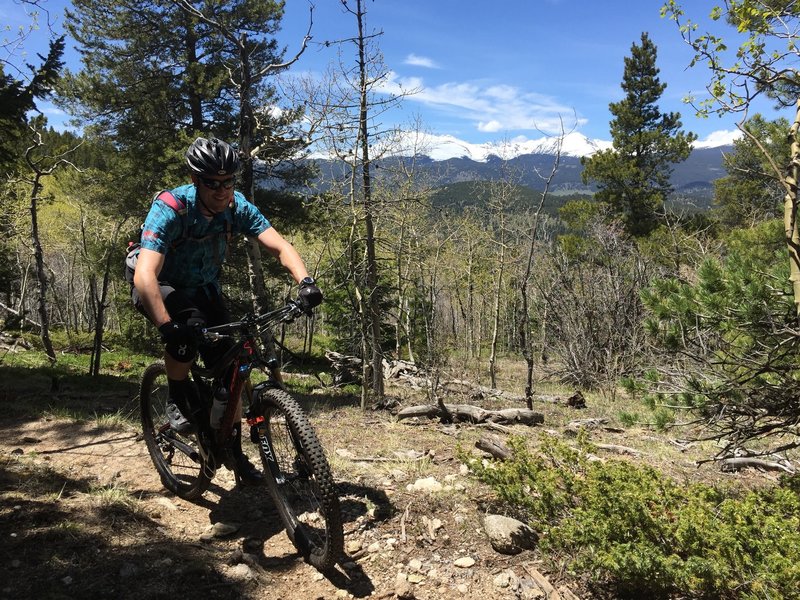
(285, 314)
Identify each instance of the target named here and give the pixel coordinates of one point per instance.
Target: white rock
(426, 484)
(465, 562)
(507, 535)
(402, 587)
(222, 529)
(436, 524)
(398, 475)
(166, 503)
(414, 564)
(506, 579)
(242, 572)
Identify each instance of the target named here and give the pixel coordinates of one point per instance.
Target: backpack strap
(168, 198)
(179, 206)
(229, 229)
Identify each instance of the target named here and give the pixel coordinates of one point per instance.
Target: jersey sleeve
(161, 227)
(249, 220)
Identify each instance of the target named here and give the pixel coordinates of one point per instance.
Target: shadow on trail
(262, 539)
(65, 537)
(63, 540)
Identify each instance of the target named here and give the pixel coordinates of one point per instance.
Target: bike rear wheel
(299, 478)
(176, 456)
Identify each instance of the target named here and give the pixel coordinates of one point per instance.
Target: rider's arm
(145, 279)
(277, 245)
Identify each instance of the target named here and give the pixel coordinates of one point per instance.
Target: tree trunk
(100, 319)
(41, 275)
(496, 314)
(102, 304)
(790, 209)
(373, 297)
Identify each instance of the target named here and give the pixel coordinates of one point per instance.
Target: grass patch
(115, 498)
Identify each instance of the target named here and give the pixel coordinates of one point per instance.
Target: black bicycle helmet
(212, 157)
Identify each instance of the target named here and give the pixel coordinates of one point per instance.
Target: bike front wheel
(177, 457)
(298, 477)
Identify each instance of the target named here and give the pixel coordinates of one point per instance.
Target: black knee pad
(183, 348)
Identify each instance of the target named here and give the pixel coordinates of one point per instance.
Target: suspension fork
(259, 435)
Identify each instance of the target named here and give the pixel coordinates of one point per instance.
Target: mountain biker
(175, 283)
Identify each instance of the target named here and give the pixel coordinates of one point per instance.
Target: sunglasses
(215, 184)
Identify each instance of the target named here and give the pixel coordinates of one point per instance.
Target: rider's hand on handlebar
(310, 295)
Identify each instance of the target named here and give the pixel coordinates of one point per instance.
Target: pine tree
(633, 176)
(18, 98)
(752, 192)
(155, 75)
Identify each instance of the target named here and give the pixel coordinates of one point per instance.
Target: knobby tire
(176, 456)
(299, 479)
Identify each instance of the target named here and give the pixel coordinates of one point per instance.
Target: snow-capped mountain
(444, 147)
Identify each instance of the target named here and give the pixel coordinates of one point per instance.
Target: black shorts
(204, 307)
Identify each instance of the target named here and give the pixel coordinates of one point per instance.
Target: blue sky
(506, 70)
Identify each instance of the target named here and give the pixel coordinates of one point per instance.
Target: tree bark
(373, 297)
(790, 209)
(38, 254)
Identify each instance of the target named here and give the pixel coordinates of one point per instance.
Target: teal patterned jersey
(193, 258)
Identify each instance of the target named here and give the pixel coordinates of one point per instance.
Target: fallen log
(516, 415)
(618, 449)
(494, 446)
(738, 463)
(473, 414)
(574, 427)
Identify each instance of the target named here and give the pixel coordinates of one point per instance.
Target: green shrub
(637, 533)
(628, 419)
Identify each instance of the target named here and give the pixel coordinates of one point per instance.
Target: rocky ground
(84, 515)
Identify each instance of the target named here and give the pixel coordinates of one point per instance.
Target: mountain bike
(296, 470)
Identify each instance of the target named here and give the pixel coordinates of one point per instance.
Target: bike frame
(241, 358)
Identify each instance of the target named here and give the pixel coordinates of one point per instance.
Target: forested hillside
(648, 274)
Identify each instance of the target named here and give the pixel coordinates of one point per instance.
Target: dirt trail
(66, 534)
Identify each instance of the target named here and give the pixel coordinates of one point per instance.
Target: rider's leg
(181, 309)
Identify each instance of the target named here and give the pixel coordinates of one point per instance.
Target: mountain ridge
(693, 178)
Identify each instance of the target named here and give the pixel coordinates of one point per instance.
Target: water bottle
(218, 406)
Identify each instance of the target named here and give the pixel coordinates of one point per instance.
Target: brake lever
(295, 311)
(212, 336)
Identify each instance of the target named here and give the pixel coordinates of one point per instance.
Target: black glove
(310, 295)
(179, 340)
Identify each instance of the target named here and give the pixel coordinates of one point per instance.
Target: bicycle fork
(260, 437)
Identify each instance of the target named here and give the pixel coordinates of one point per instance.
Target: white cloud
(421, 61)
(718, 138)
(490, 108)
(490, 127)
